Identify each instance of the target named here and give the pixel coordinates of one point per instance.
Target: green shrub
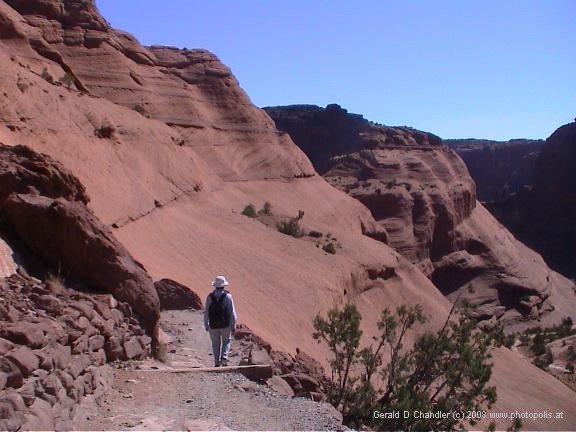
(249, 211)
(315, 234)
(105, 131)
(266, 209)
(46, 75)
(291, 228)
(139, 109)
(446, 371)
(67, 79)
(329, 248)
(538, 344)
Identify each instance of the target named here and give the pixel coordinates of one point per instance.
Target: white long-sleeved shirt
(228, 303)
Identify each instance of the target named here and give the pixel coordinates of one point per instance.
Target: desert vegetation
(443, 371)
(249, 211)
(46, 75)
(105, 131)
(67, 79)
(292, 227)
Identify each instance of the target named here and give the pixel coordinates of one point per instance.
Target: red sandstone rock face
(172, 175)
(422, 195)
(46, 206)
(190, 90)
(23, 171)
(174, 295)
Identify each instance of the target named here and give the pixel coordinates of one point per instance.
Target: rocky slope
(499, 168)
(544, 216)
(421, 194)
(170, 150)
(55, 341)
(171, 179)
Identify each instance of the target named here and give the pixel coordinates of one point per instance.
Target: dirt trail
(148, 396)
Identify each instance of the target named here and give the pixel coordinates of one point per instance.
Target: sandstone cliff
(499, 168)
(544, 215)
(170, 150)
(422, 195)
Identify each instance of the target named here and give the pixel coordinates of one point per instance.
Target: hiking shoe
(224, 362)
(217, 365)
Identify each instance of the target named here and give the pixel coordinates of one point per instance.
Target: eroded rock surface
(422, 195)
(174, 295)
(52, 219)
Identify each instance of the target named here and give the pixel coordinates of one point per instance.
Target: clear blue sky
(486, 69)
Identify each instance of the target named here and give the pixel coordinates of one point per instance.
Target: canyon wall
(422, 195)
(544, 215)
(170, 150)
(499, 168)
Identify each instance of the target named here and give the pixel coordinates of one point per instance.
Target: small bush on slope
(292, 226)
(249, 211)
(446, 371)
(266, 209)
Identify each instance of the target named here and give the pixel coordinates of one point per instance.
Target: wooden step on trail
(260, 372)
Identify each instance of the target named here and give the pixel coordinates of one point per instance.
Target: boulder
(293, 382)
(68, 235)
(46, 361)
(280, 386)
(24, 334)
(174, 295)
(308, 383)
(96, 342)
(13, 375)
(133, 349)
(22, 170)
(24, 359)
(50, 304)
(113, 348)
(40, 416)
(5, 346)
(60, 354)
(78, 364)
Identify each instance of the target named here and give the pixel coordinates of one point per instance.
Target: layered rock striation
(170, 150)
(422, 195)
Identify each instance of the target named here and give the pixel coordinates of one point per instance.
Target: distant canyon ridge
(510, 179)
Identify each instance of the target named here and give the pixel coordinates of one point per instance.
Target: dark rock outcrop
(174, 295)
(499, 169)
(22, 170)
(52, 219)
(67, 235)
(544, 215)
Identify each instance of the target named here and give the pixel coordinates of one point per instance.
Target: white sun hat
(220, 282)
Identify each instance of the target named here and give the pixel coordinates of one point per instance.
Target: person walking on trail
(220, 320)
